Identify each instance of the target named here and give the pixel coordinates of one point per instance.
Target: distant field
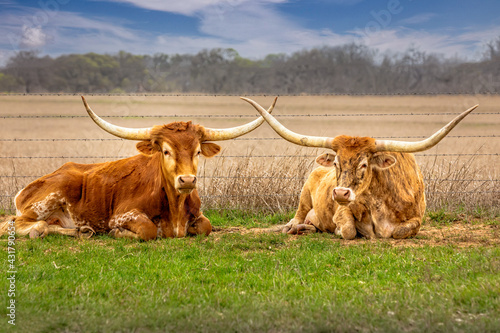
(260, 171)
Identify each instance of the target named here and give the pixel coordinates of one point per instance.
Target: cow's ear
(209, 149)
(147, 147)
(326, 159)
(382, 160)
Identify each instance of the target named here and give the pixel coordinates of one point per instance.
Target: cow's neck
(176, 211)
(175, 200)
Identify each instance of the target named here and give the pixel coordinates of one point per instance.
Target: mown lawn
(251, 282)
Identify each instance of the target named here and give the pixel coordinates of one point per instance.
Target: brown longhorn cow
(149, 195)
(366, 186)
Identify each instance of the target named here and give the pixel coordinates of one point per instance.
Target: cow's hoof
(40, 230)
(115, 233)
(305, 228)
(85, 232)
(348, 232)
(289, 226)
(402, 232)
(300, 229)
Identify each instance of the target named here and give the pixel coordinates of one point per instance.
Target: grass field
(244, 277)
(447, 279)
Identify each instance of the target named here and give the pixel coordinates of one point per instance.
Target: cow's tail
(7, 225)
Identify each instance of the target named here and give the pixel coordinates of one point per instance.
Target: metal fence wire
(268, 181)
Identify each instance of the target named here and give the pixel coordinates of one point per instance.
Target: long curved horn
(285, 133)
(121, 132)
(413, 147)
(212, 134)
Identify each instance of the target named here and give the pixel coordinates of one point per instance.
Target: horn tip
(85, 104)
(471, 109)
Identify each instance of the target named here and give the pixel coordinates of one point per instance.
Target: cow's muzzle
(185, 183)
(343, 195)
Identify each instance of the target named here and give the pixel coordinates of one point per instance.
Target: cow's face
(354, 163)
(179, 146)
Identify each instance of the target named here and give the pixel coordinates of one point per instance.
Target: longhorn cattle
(149, 195)
(366, 186)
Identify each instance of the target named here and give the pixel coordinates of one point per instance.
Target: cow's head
(179, 145)
(355, 158)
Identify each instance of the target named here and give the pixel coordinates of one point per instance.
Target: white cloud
(190, 7)
(464, 44)
(33, 37)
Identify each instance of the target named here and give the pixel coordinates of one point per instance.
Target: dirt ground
(458, 234)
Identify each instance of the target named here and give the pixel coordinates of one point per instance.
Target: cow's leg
(307, 227)
(365, 226)
(345, 222)
(200, 226)
(305, 206)
(407, 229)
(133, 224)
(26, 225)
(35, 216)
(80, 232)
(4, 226)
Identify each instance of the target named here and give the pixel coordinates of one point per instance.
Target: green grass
(220, 218)
(229, 282)
(442, 217)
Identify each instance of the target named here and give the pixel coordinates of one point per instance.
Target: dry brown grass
(467, 180)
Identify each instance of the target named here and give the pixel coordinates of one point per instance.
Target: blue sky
(254, 28)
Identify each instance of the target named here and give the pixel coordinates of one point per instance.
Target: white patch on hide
(119, 221)
(46, 207)
(18, 212)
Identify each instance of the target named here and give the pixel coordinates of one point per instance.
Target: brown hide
(136, 196)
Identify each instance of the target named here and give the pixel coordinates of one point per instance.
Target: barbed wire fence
(235, 182)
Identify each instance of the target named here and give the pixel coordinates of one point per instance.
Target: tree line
(346, 69)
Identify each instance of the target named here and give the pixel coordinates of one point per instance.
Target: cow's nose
(187, 180)
(341, 194)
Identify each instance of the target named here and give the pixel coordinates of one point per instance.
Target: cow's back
(65, 181)
(400, 188)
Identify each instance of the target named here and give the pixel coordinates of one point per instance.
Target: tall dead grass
(273, 184)
(461, 186)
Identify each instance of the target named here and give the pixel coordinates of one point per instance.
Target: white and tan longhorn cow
(366, 186)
